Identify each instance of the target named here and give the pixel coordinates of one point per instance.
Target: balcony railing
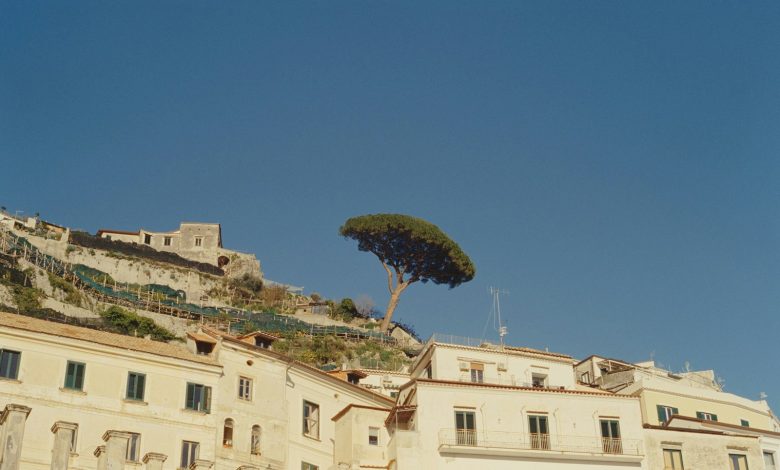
(537, 441)
(511, 381)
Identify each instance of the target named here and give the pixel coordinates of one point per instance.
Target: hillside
(49, 272)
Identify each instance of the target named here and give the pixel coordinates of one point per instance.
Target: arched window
(256, 432)
(227, 433)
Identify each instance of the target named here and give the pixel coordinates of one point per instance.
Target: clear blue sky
(614, 165)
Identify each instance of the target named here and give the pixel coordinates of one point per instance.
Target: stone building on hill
(200, 242)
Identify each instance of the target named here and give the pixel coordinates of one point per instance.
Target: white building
(689, 421)
(485, 406)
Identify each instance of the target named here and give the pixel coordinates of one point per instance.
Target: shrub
(130, 323)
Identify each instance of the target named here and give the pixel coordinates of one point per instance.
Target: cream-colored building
(82, 383)
(481, 405)
(690, 422)
(78, 398)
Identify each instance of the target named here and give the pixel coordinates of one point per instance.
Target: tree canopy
(410, 249)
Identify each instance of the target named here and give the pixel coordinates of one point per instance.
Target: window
(167, 241)
(585, 377)
(244, 388)
(769, 461)
(738, 462)
(706, 416)
(311, 420)
(465, 428)
(477, 371)
(540, 432)
(665, 413)
(74, 439)
(147, 239)
(309, 466)
(190, 451)
(673, 459)
(539, 380)
(9, 363)
(373, 436)
(135, 386)
(198, 397)
(198, 241)
(255, 442)
(610, 437)
(227, 433)
(134, 447)
(74, 375)
(428, 374)
(744, 423)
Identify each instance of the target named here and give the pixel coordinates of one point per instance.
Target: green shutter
(139, 387)
(675, 411)
(661, 413)
(714, 417)
(700, 415)
(190, 401)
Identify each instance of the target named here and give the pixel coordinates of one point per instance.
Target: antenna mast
(502, 330)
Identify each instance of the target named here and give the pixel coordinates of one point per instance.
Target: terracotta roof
(259, 333)
(513, 387)
(131, 343)
(201, 337)
(352, 405)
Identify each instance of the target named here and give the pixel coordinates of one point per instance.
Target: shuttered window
(135, 386)
(666, 412)
(74, 375)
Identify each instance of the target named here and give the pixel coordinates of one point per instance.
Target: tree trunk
(394, 296)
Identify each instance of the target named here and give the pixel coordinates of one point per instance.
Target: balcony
(498, 443)
(509, 381)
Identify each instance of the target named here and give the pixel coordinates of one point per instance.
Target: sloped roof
(131, 343)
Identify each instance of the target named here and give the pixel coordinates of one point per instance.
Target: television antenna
(495, 315)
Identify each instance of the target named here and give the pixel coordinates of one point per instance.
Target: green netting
(245, 321)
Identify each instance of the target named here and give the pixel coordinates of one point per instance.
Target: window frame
(673, 451)
(137, 375)
(541, 438)
(771, 455)
(668, 411)
(167, 241)
(538, 375)
(309, 409)
(707, 416)
(193, 453)
(72, 385)
(465, 427)
(134, 438)
(245, 388)
(309, 466)
(10, 365)
(373, 432)
(739, 466)
(227, 437)
(198, 241)
(204, 398)
(256, 440)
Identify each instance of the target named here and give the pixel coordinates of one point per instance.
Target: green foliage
(412, 246)
(72, 295)
(130, 323)
(247, 286)
(26, 298)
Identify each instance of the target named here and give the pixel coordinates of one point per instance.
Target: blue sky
(613, 165)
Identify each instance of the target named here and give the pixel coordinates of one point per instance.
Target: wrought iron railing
(539, 441)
